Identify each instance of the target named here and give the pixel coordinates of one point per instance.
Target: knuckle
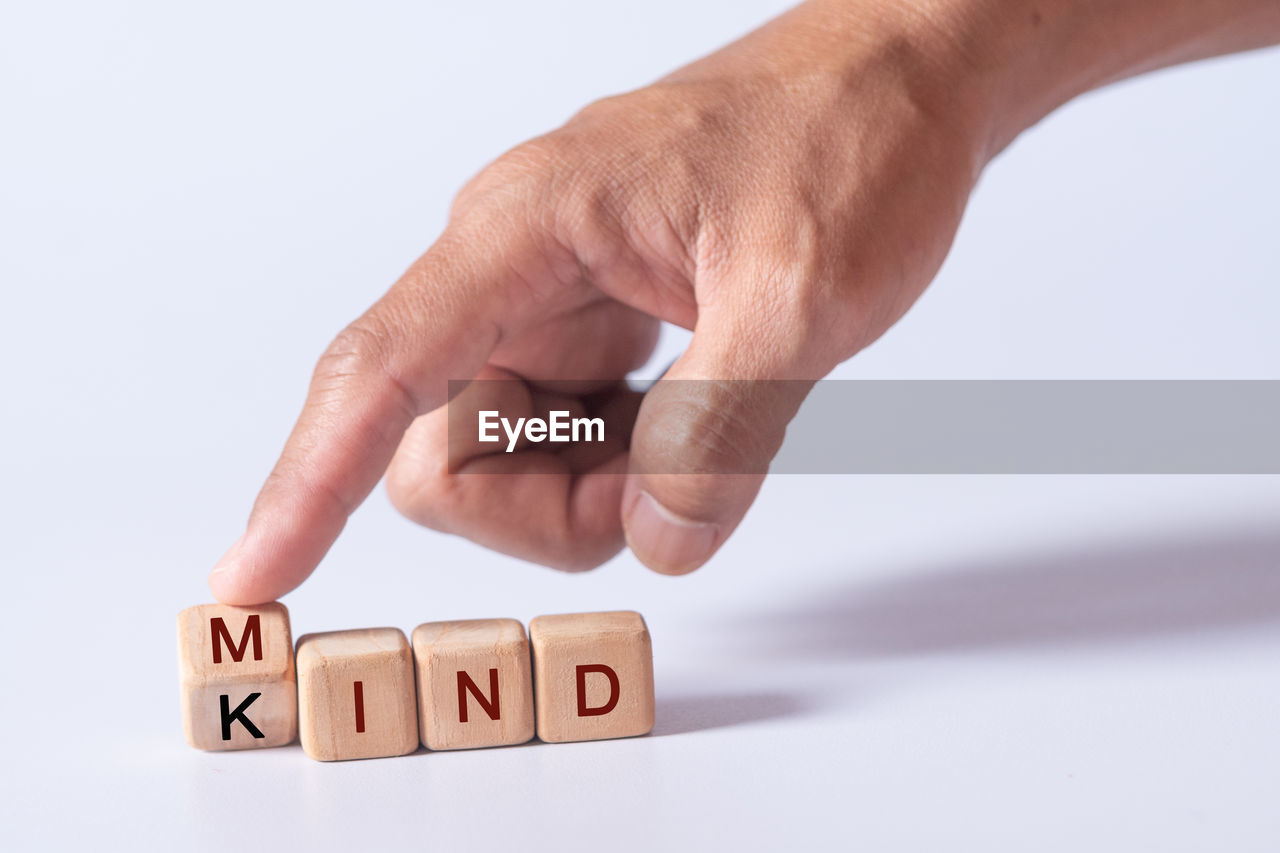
(717, 441)
(420, 490)
(563, 174)
(361, 349)
(362, 360)
(547, 189)
(697, 438)
(524, 174)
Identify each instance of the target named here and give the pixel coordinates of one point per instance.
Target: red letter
(359, 685)
(490, 706)
(252, 630)
(583, 669)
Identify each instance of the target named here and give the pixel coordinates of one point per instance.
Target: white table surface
(192, 203)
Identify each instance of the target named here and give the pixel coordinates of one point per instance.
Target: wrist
(981, 64)
(963, 62)
(936, 56)
(969, 62)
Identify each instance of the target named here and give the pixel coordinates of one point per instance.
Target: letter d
(614, 689)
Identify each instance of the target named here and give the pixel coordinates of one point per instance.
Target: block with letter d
(236, 673)
(592, 676)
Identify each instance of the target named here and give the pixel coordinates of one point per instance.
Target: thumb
(703, 440)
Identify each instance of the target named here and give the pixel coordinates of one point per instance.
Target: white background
(193, 199)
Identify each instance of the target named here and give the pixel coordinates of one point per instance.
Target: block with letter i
(474, 683)
(237, 676)
(355, 694)
(592, 676)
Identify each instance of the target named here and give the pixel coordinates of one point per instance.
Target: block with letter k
(236, 665)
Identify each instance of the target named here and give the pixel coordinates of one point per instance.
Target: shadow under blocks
(372, 693)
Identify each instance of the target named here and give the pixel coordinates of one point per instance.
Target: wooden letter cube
(592, 676)
(236, 671)
(355, 694)
(475, 687)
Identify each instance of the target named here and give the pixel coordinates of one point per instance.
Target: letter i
(359, 689)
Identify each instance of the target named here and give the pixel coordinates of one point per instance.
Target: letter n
(607, 672)
(489, 704)
(252, 631)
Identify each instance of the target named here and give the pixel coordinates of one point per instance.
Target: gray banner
(903, 427)
(1036, 427)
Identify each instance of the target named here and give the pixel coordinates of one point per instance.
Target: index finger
(439, 322)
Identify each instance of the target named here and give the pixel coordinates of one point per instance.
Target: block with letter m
(239, 690)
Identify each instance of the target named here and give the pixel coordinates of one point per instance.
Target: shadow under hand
(1096, 597)
(681, 714)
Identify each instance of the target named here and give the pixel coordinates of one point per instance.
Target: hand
(787, 198)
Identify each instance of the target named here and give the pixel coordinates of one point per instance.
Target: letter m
(252, 631)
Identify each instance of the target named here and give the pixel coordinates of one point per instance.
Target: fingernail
(667, 542)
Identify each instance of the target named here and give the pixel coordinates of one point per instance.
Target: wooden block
(592, 676)
(355, 694)
(475, 687)
(236, 671)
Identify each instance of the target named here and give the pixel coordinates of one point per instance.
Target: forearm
(1036, 55)
(988, 69)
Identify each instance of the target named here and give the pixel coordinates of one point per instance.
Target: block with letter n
(236, 671)
(475, 687)
(592, 676)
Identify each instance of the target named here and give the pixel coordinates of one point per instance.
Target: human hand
(787, 198)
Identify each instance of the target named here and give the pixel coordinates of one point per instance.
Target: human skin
(787, 198)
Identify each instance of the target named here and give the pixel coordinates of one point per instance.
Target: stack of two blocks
(371, 693)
